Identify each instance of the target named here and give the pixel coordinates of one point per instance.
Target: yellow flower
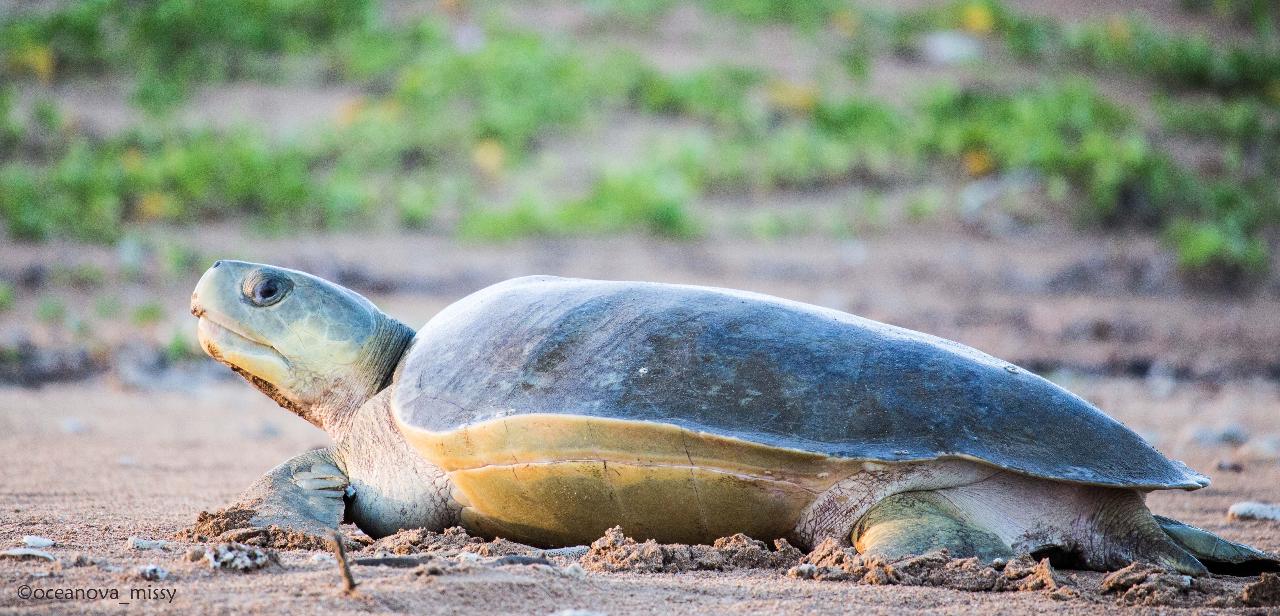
(977, 163)
(454, 7)
(845, 22)
(793, 97)
(156, 205)
(39, 60)
(1118, 29)
(350, 111)
(977, 18)
(390, 108)
(489, 156)
(131, 160)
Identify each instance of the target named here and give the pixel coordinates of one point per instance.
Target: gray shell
(758, 368)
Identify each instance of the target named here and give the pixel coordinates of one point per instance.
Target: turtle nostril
(216, 264)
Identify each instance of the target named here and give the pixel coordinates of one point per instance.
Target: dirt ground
(92, 462)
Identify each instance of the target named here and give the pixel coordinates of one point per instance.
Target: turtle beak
(205, 284)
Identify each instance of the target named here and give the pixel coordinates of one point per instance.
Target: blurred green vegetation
(6, 296)
(169, 45)
(451, 108)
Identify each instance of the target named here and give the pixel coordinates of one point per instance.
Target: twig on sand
(340, 553)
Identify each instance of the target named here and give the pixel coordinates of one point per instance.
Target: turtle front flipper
(299, 503)
(918, 522)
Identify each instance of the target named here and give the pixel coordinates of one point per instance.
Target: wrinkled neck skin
(394, 487)
(335, 406)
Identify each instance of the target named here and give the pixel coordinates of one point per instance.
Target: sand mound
(209, 526)
(234, 524)
(616, 552)
(1144, 584)
(1263, 593)
(448, 542)
(831, 561)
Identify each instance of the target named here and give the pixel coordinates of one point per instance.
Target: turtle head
(318, 349)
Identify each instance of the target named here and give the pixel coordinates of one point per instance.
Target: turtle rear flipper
(1218, 554)
(918, 522)
(1075, 526)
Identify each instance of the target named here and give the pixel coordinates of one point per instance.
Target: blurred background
(1084, 187)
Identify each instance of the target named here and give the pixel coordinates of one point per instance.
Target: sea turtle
(546, 410)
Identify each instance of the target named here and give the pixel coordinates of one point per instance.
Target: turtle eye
(265, 289)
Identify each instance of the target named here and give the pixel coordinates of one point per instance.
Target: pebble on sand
(1231, 435)
(34, 541)
(1253, 510)
(27, 554)
(1265, 447)
(137, 543)
(73, 425)
(239, 557)
(152, 573)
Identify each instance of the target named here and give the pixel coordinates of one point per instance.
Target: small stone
(239, 557)
(152, 573)
(1265, 447)
(265, 431)
(574, 571)
(324, 559)
(803, 571)
(137, 543)
(1229, 466)
(1253, 510)
(571, 552)
(27, 554)
(196, 555)
(468, 557)
(73, 425)
(950, 47)
(33, 541)
(1230, 435)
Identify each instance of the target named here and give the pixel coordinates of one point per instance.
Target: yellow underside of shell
(549, 479)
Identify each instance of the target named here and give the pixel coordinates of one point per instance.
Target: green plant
(1070, 132)
(107, 307)
(148, 313)
(179, 259)
(171, 44)
(6, 296)
(805, 14)
(420, 199)
(51, 310)
(836, 140)
(779, 224)
(635, 12)
(84, 275)
(1226, 251)
(653, 200)
(510, 89)
(180, 348)
(719, 94)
